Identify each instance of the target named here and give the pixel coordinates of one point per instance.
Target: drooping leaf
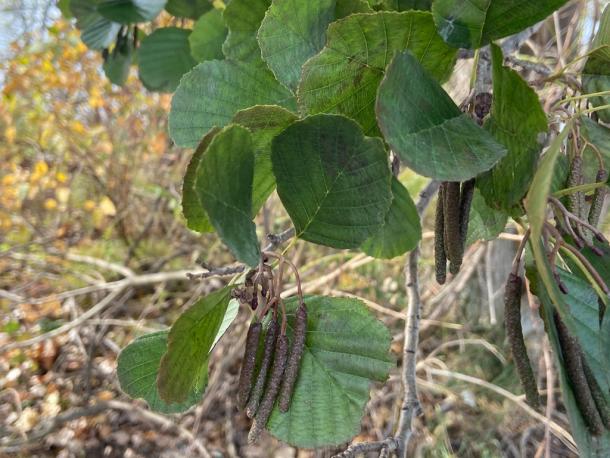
(596, 73)
(406, 5)
(164, 56)
(97, 32)
(137, 369)
(212, 92)
(401, 229)
(224, 186)
(343, 78)
(264, 122)
(192, 209)
(425, 127)
(291, 32)
(243, 19)
(191, 9)
(485, 222)
(519, 123)
(344, 8)
(189, 341)
(118, 62)
(130, 11)
(208, 35)
(333, 181)
(346, 348)
(474, 23)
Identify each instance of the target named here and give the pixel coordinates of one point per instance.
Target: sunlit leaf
(208, 35)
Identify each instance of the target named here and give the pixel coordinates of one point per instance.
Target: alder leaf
(485, 223)
(343, 78)
(333, 181)
(346, 348)
(212, 92)
(97, 32)
(401, 229)
(209, 33)
(596, 73)
(130, 11)
(243, 19)
(425, 127)
(224, 186)
(163, 57)
(191, 9)
(190, 340)
(474, 23)
(519, 123)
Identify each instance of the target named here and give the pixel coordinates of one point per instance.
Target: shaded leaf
(191, 9)
(346, 348)
(343, 78)
(291, 32)
(195, 215)
(97, 32)
(333, 181)
(344, 8)
(401, 229)
(474, 23)
(190, 340)
(117, 64)
(130, 11)
(519, 123)
(485, 222)
(208, 35)
(212, 92)
(224, 186)
(445, 143)
(164, 56)
(598, 135)
(264, 123)
(405, 5)
(243, 19)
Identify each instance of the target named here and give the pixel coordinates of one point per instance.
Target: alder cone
(247, 366)
(273, 387)
(514, 333)
(257, 391)
(294, 360)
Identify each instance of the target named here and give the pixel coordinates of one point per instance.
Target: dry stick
(440, 255)
(410, 404)
(514, 332)
(247, 366)
(266, 405)
(598, 235)
(571, 353)
(257, 391)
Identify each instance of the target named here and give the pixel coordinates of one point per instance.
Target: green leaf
(130, 11)
(485, 223)
(264, 123)
(474, 23)
(212, 92)
(164, 56)
(344, 8)
(64, 7)
(346, 348)
(191, 9)
(190, 340)
(333, 181)
(243, 19)
(425, 127)
(519, 123)
(224, 185)
(291, 32)
(208, 35)
(117, 64)
(596, 73)
(343, 78)
(401, 229)
(97, 32)
(137, 369)
(196, 217)
(406, 5)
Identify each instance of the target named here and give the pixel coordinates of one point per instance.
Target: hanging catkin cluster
(278, 367)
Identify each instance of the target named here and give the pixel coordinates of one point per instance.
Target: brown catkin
(466, 195)
(440, 256)
(575, 178)
(451, 211)
(273, 386)
(294, 360)
(514, 333)
(598, 198)
(247, 366)
(596, 392)
(257, 391)
(572, 359)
